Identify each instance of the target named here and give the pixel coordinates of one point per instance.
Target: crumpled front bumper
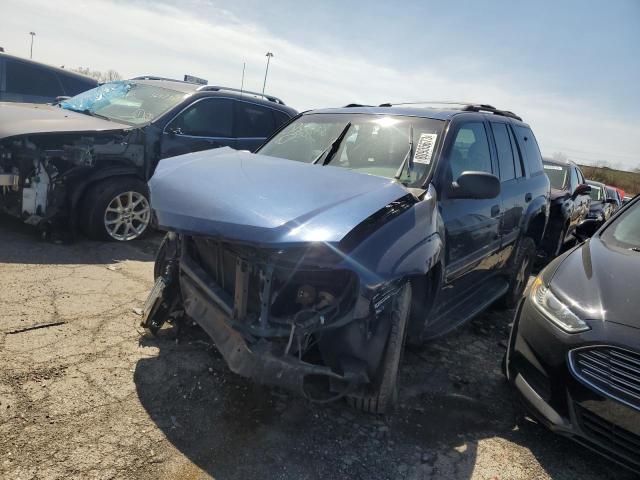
(258, 360)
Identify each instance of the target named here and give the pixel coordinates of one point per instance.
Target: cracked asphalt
(85, 393)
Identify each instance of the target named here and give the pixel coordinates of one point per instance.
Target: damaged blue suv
(348, 233)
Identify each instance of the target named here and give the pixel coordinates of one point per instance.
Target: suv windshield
(123, 101)
(372, 144)
(557, 175)
(625, 230)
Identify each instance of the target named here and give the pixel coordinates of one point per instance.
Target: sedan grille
(624, 445)
(615, 372)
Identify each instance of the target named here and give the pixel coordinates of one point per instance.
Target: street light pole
(33, 34)
(269, 55)
(244, 65)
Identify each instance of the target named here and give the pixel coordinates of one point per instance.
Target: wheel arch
(81, 188)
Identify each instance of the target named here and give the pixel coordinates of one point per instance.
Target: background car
(574, 350)
(602, 203)
(570, 202)
(23, 80)
(309, 262)
(85, 162)
(612, 193)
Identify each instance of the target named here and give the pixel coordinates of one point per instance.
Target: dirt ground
(90, 395)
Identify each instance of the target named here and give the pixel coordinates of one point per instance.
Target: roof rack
(153, 77)
(216, 88)
(355, 105)
(466, 107)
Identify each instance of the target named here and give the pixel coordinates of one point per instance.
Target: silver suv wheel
(127, 216)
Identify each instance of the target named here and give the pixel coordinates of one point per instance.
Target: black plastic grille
(613, 371)
(616, 440)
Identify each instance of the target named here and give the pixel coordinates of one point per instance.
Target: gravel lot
(95, 397)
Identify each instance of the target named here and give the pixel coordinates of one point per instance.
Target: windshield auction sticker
(424, 150)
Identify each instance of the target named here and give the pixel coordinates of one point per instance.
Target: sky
(570, 68)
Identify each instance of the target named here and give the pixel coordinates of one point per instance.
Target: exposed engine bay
(38, 173)
(279, 316)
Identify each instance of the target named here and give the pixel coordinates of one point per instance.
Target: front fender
(538, 206)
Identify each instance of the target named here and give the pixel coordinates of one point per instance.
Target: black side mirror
(611, 200)
(477, 185)
(173, 130)
(587, 228)
(582, 189)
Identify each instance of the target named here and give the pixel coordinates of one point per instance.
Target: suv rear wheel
(117, 209)
(383, 394)
(520, 272)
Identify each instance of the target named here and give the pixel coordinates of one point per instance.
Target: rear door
(205, 124)
(512, 190)
(472, 226)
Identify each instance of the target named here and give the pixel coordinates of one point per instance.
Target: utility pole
(244, 65)
(269, 55)
(33, 34)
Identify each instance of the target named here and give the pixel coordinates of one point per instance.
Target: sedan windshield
(625, 230)
(557, 175)
(372, 144)
(123, 101)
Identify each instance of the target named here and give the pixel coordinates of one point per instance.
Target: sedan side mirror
(587, 228)
(582, 189)
(611, 200)
(477, 185)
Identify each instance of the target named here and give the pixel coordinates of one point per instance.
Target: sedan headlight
(555, 310)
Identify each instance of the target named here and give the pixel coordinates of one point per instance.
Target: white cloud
(212, 43)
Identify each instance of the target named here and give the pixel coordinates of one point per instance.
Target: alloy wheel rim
(127, 216)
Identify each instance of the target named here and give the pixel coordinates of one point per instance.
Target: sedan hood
(27, 118)
(603, 281)
(264, 200)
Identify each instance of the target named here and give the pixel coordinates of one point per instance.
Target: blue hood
(264, 200)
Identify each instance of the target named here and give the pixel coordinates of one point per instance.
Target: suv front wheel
(383, 394)
(117, 209)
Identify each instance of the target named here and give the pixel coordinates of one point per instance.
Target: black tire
(519, 273)
(99, 197)
(383, 395)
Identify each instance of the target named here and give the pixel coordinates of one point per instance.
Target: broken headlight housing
(555, 310)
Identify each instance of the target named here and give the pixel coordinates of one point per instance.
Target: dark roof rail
(465, 107)
(217, 88)
(355, 105)
(491, 109)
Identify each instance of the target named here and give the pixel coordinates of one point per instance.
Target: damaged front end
(295, 318)
(42, 176)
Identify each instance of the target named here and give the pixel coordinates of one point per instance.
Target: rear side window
(73, 85)
(26, 79)
(470, 150)
(253, 121)
(212, 117)
(280, 118)
(505, 152)
(531, 150)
